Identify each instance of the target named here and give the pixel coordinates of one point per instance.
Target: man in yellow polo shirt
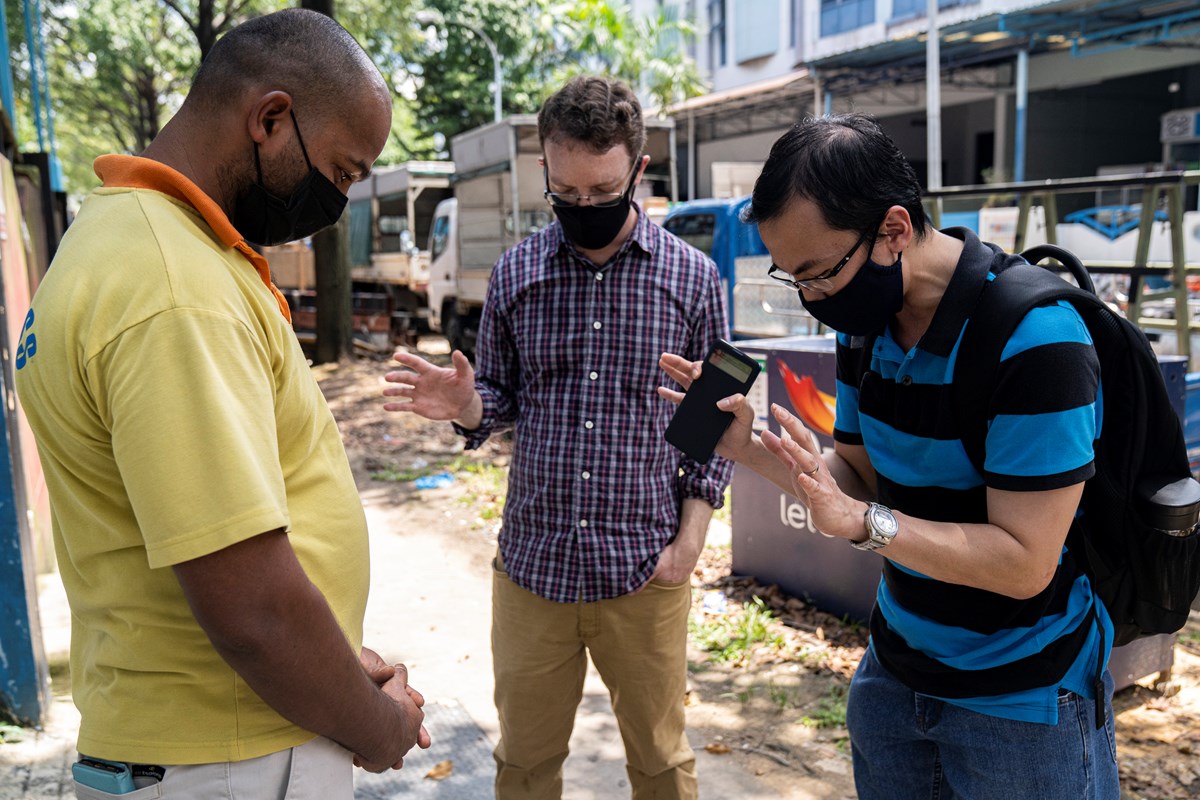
(207, 526)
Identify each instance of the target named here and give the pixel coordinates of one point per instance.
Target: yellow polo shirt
(175, 415)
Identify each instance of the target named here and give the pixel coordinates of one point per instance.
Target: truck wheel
(452, 328)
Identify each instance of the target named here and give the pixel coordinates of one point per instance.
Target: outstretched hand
(437, 393)
(738, 436)
(833, 512)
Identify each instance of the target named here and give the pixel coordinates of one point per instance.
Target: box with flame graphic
(773, 538)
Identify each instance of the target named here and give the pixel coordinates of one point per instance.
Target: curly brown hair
(596, 112)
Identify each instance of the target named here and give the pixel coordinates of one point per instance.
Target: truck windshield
(695, 229)
(440, 236)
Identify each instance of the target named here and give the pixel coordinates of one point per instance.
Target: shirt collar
(134, 172)
(962, 293)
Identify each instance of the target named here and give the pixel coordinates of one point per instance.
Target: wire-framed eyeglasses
(824, 281)
(598, 200)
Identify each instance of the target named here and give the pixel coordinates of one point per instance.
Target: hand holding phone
(698, 424)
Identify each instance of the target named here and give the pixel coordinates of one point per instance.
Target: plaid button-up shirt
(568, 356)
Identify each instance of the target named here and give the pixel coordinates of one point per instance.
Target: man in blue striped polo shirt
(604, 521)
(980, 681)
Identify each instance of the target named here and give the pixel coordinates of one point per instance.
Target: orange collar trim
(134, 172)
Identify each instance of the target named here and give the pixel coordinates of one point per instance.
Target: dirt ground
(768, 674)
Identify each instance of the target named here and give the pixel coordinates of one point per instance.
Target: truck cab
(758, 307)
(443, 268)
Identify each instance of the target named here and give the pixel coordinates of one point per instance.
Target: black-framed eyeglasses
(599, 200)
(824, 281)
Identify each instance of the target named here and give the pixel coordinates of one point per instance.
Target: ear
(269, 115)
(896, 231)
(641, 171)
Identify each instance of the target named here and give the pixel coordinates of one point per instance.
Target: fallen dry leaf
(440, 771)
(717, 749)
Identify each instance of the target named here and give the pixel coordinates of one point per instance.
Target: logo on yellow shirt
(27, 348)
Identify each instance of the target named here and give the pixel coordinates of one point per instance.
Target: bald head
(306, 54)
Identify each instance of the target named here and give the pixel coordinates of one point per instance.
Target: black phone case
(698, 424)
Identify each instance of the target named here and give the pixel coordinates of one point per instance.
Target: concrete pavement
(430, 607)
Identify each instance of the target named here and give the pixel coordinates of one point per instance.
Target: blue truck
(761, 308)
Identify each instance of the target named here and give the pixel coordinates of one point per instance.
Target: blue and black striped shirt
(977, 649)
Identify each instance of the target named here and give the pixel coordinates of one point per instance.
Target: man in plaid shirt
(604, 521)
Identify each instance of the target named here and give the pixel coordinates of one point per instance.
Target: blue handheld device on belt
(107, 776)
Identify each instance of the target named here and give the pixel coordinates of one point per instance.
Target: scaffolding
(1160, 191)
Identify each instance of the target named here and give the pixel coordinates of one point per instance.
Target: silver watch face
(882, 521)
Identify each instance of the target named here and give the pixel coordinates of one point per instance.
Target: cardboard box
(292, 266)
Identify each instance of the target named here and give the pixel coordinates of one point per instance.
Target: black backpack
(1135, 538)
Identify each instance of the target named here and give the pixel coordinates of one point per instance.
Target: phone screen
(730, 365)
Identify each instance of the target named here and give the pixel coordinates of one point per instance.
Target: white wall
(754, 147)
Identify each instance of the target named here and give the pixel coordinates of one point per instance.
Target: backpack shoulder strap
(1002, 305)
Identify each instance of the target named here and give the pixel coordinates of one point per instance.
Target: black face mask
(866, 304)
(595, 227)
(265, 219)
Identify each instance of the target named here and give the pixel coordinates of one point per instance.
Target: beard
(280, 176)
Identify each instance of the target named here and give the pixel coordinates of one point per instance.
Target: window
(755, 29)
(695, 229)
(907, 9)
(839, 16)
(716, 33)
(440, 238)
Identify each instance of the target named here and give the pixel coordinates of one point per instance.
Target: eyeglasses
(824, 281)
(600, 200)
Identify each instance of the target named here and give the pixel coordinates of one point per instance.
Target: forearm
(275, 629)
(982, 556)
(694, 517)
(297, 659)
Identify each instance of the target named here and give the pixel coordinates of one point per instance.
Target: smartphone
(107, 776)
(698, 424)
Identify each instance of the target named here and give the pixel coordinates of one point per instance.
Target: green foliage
(118, 69)
(830, 711)
(646, 52)
(732, 637)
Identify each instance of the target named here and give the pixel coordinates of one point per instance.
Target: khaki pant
(638, 644)
(316, 770)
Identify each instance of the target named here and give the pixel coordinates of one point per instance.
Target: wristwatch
(881, 527)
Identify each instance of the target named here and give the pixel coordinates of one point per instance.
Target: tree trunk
(323, 6)
(332, 258)
(331, 251)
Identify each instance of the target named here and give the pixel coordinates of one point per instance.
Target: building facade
(1028, 89)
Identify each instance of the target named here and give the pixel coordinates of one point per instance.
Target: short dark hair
(844, 164)
(304, 53)
(598, 113)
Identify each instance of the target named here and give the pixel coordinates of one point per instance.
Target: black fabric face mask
(595, 227)
(866, 304)
(265, 219)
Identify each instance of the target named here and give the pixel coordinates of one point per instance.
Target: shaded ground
(768, 673)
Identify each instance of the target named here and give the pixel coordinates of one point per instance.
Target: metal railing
(1168, 187)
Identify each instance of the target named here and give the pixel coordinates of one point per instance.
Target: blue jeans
(908, 746)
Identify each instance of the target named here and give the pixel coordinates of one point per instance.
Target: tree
(452, 66)
(645, 52)
(118, 69)
(208, 19)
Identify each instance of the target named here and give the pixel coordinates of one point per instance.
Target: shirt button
(583, 523)
(589, 425)
(906, 380)
(599, 276)
(593, 375)
(597, 325)
(586, 475)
